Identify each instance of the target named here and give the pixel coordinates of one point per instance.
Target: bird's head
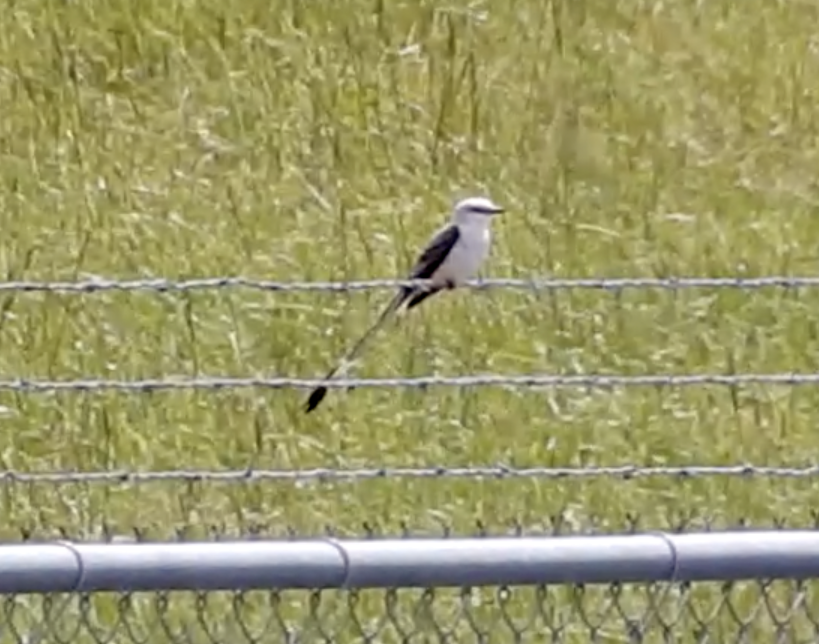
(474, 209)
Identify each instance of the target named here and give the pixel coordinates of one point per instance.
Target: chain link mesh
(752, 612)
(755, 611)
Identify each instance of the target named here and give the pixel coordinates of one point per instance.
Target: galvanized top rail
(390, 563)
(164, 285)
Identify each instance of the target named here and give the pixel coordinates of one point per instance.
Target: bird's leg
(450, 284)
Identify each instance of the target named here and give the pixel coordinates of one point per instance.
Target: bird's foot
(450, 284)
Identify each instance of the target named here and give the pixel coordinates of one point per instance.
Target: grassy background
(294, 140)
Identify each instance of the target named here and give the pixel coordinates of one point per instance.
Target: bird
(452, 256)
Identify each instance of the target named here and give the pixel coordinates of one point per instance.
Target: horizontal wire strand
(592, 381)
(436, 472)
(216, 283)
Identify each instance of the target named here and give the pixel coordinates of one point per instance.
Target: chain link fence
(749, 611)
(752, 612)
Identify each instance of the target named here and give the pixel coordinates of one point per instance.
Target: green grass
(325, 141)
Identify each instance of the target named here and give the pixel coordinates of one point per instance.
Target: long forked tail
(318, 394)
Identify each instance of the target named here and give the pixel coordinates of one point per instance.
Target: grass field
(293, 140)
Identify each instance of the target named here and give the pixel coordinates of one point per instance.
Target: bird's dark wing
(435, 253)
(430, 261)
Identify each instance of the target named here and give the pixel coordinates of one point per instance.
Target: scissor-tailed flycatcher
(452, 256)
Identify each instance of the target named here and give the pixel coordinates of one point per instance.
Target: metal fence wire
(715, 612)
(747, 612)
(163, 285)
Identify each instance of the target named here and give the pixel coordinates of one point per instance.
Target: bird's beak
(497, 211)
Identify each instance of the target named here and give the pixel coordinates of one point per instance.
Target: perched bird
(452, 256)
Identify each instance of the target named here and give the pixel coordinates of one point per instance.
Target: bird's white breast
(467, 255)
